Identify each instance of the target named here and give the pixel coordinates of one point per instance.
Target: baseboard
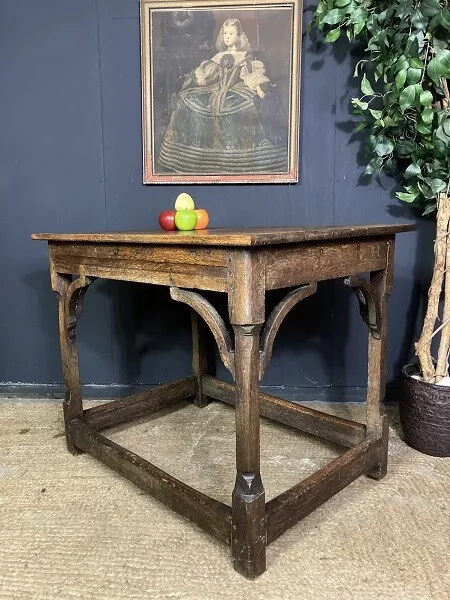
(14, 392)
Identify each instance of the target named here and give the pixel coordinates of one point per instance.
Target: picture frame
(220, 91)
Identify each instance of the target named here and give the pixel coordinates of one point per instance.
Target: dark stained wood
(160, 268)
(137, 405)
(70, 305)
(292, 506)
(199, 359)
(211, 515)
(276, 318)
(328, 427)
(244, 263)
(298, 264)
(229, 237)
(248, 536)
(214, 321)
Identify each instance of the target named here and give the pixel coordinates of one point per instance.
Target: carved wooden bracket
(71, 294)
(368, 306)
(276, 318)
(214, 321)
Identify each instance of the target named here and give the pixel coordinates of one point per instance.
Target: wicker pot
(425, 414)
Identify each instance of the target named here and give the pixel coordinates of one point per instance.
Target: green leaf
(414, 76)
(437, 185)
(416, 63)
(333, 35)
(342, 3)
(361, 125)
(407, 97)
(412, 171)
(400, 79)
(441, 135)
(376, 114)
(446, 127)
(402, 63)
(366, 88)
(439, 66)
(404, 148)
(358, 27)
(429, 209)
(356, 102)
(426, 98)
(427, 115)
(334, 16)
(430, 7)
(406, 197)
(418, 20)
(360, 14)
(444, 18)
(421, 128)
(384, 146)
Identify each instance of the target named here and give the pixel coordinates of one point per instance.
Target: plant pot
(425, 414)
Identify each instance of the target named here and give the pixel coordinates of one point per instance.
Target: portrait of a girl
(215, 126)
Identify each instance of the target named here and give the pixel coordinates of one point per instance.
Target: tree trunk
(441, 262)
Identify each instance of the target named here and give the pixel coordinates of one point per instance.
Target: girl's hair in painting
(242, 43)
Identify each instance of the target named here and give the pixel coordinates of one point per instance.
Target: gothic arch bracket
(214, 321)
(368, 306)
(276, 318)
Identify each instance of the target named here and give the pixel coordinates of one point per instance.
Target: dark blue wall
(70, 160)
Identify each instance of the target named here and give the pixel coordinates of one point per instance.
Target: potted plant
(405, 106)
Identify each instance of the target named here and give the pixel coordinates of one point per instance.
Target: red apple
(167, 220)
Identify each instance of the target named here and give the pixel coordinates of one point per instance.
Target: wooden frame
(241, 263)
(220, 109)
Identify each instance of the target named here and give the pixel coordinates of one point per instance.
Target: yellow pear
(184, 202)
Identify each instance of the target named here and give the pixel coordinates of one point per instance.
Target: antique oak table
(243, 263)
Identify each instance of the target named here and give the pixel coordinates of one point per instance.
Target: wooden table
(245, 264)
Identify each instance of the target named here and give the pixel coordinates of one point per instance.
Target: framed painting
(220, 90)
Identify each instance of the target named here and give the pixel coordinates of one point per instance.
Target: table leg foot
(67, 418)
(380, 470)
(248, 534)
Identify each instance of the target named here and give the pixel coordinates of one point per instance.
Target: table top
(229, 237)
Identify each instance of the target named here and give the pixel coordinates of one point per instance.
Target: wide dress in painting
(215, 127)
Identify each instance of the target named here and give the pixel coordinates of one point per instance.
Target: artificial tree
(406, 58)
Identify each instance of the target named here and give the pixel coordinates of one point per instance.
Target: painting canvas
(220, 91)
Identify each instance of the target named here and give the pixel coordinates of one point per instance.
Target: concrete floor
(71, 528)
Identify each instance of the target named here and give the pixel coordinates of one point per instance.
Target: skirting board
(15, 392)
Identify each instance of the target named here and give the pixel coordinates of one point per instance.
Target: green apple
(186, 220)
(184, 202)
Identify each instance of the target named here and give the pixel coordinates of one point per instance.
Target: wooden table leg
(70, 295)
(199, 360)
(377, 419)
(248, 536)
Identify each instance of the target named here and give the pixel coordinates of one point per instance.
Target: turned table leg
(70, 295)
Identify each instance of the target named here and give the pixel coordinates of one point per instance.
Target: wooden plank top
(229, 237)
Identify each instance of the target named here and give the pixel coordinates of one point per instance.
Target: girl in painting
(215, 127)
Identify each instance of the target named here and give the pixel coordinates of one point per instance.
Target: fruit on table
(202, 218)
(167, 220)
(184, 202)
(185, 219)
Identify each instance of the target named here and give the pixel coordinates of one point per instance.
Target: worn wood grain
(328, 427)
(303, 263)
(215, 322)
(229, 237)
(211, 515)
(70, 306)
(248, 537)
(275, 319)
(199, 358)
(292, 506)
(244, 263)
(137, 405)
